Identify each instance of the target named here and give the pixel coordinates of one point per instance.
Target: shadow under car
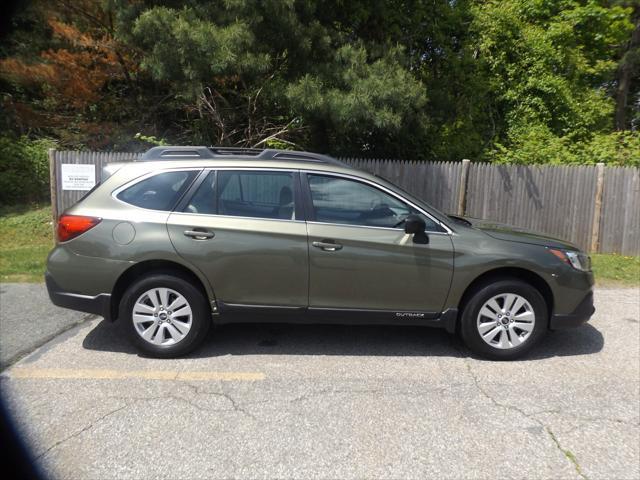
(297, 339)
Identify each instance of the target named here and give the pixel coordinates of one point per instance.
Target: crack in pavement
(130, 400)
(235, 406)
(531, 416)
(630, 422)
(567, 453)
(377, 391)
(79, 432)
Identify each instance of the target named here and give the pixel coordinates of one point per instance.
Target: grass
(616, 270)
(26, 237)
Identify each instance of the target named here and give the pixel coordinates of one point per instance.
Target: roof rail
(177, 153)
(191, 153)
(227, 151)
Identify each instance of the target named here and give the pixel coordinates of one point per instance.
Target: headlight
(577, 260)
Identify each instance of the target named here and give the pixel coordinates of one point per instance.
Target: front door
(360, 258)
(242, 230)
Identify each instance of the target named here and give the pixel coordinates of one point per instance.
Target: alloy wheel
(506, 321)
(162, 316)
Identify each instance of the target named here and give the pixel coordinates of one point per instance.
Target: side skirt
(239, 313)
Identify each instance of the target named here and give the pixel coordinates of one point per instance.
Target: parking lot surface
(28, 319)
(273, 401)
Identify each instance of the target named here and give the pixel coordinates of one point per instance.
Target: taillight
(70, 226)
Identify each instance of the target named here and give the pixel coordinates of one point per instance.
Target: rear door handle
(327, 246)
(199, 234)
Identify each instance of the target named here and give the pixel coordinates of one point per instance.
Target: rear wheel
(164, 315)
(504, 319)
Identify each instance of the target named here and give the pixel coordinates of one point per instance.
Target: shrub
(24, 164)
(536, 144)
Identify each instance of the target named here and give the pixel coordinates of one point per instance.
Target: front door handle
(327, 246)
(199, 234)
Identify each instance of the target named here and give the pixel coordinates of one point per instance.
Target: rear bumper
(580, 315)
(98, 304)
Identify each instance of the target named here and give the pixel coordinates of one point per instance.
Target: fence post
(53, 186)
(597, 208)
(462, 192)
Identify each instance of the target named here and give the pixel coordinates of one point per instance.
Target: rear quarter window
(158, 192)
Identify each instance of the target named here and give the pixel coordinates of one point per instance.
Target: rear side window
(256, 194)
(245, 194)
(159, 192)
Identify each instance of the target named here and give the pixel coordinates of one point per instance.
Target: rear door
(360, 257)
(242, 228)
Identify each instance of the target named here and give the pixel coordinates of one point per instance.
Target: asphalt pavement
(28, 319)
(282, 401)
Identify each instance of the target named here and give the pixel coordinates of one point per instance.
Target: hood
(510, 233)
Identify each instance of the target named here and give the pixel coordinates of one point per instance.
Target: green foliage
(547, 59)
(537, 144)
(362, 101)
(25, 169)
(150, 139)
(188, 48)
(499, 80)
(549, 63)
(616, 148)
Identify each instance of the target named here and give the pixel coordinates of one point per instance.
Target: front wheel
(503, 320)
(165, 316)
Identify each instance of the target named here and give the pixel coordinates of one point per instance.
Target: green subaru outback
(191, 236)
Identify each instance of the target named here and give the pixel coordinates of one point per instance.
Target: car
(190, 237)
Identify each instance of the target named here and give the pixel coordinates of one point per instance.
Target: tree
(627, 76)
(550, 63)
(510, 80)
(63, 88)
(258, 72)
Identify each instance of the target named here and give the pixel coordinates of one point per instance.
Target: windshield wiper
(458, 219)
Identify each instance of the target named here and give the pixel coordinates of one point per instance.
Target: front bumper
(98, 304)
(580, 315)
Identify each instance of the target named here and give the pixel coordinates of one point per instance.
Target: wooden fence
(595, 207)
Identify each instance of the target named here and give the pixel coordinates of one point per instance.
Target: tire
(168, 333)
(507, 337)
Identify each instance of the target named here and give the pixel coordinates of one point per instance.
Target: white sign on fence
(78, 176)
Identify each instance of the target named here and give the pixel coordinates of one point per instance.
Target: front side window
(340, 200)
(245, 194)
(159, 192)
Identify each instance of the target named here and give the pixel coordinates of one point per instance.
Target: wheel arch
(502, 273)
(146, 267)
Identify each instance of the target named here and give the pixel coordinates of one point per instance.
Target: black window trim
(186, 198)
(310, 211)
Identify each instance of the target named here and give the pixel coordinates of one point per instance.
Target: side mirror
(415, 225)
